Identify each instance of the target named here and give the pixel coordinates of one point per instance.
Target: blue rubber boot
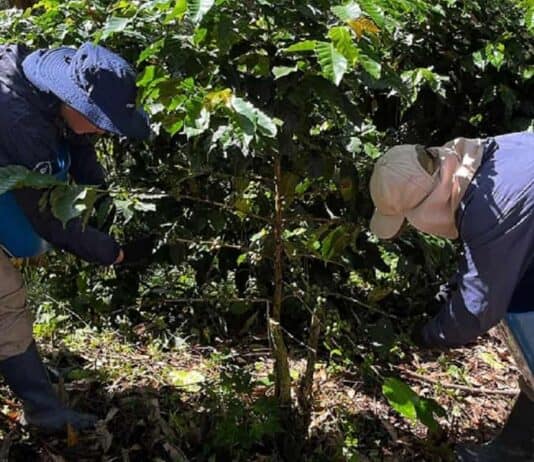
(27, 377)
(515, 443)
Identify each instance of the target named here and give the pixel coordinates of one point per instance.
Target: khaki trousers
(16, 320)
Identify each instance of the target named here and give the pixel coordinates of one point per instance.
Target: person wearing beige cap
(481, 192)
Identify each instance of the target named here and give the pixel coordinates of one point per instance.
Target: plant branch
(362, 304)
(464, 388)
(306, 383)
(215, 244)
(282, 376)
(223, 206)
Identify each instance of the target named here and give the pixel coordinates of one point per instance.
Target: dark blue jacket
(496, 225)
(31, 131)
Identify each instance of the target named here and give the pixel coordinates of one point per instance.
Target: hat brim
(49, 71)
(386, 226)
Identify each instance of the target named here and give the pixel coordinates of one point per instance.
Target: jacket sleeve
(489, 272)
(32, 145)
(87, 243)
(85, 168)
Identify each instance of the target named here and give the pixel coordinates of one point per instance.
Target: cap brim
(386, 226)
(49, 71)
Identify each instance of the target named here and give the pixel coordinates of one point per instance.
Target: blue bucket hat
(97, 83)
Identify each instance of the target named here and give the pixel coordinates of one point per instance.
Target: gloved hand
(138, 252)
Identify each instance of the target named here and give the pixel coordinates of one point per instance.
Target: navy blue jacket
(31, 131)
(496, 225)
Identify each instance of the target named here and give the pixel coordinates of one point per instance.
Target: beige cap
(399, 183)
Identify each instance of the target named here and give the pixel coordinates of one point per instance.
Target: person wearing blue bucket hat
(93, 81)
(51, 100)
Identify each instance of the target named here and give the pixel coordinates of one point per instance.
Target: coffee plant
(267, 118)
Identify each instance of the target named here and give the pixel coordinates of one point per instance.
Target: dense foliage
(268, 116)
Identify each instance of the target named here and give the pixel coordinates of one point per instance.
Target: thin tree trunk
(305, 392)
(281, 365)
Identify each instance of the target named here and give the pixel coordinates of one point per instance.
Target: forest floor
(209, 404)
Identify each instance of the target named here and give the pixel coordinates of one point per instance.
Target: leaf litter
(155, 405)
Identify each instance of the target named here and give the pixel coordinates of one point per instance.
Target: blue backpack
(17, 235)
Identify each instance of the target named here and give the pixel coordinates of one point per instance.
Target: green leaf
(306, 45)
(18, 176)
(426, 410)
(178, 12)
(282, 71)
(527, 73)
(198, 9)
(150, 51)
(197, 120)
(256, 118)
(410, 405)
(374, 11)
(335, 242)
(372, 67)
(400, 397)
(189, 381)
(333, 63)
(71, 201)
(479, 60)
(495, 54)
(347, 12)
(148, 75)
(114, 25)
(266, 124)
(343, 42)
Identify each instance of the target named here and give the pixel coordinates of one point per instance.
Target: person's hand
(420, 339)
(444, 294)
(138, 252)
(120, 257)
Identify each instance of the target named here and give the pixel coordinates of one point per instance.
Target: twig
(215, 300)
(281, 362)
(465, 388)
(364, 305)
(305, 388)
(300, 218)
(215, 244)
(220, 205)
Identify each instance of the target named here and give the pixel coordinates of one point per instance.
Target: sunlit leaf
(198, 9)
(68, 202)
(178, 12)
(216, 98)
(190, 381)
(333, 63)
(282, 71)
(114, 25)
(343, 42)
(152, 50)
(373, 68)
(410, 405)
(257, 118)
(306, 45)
(374, 11)
(347, 12)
